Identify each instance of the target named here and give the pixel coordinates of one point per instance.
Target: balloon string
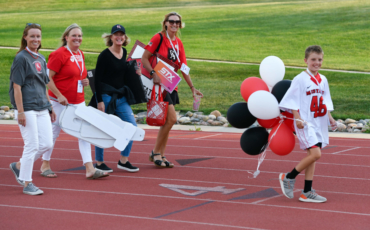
(262, 156)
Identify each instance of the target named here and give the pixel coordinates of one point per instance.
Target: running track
(209, 188)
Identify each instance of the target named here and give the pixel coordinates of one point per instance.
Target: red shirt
(67, 74)
(166, 49)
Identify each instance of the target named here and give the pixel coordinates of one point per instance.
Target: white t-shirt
(311, 97)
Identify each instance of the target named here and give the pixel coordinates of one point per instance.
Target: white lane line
(200, 199)
(203, 182)
(215, 157)
(207, 136)
(128, 216)
(346, 150)
(225, 169)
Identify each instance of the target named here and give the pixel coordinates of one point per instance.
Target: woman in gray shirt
(34, 113)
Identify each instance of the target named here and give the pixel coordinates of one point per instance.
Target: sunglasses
(178, 22)
(30, 24)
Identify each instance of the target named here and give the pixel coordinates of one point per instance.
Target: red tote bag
(156, 110)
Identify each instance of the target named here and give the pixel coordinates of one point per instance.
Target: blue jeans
(124, 111)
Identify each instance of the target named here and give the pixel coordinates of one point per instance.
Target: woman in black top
(112, 95)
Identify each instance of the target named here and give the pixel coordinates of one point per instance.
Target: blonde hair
(63, 40)
(109, 42)
(164, 27)
(313, 49)
(25, 33)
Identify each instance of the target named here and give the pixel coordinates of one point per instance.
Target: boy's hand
(333, 124)
(299, 124)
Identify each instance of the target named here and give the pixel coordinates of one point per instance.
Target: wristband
(151, 72)
(21, 113)
(192, 87)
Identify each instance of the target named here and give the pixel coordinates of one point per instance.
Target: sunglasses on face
(30, 24)
(178, 22)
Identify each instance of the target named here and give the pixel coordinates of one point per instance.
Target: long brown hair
(164, 27)
(25, 33)
(63, 41)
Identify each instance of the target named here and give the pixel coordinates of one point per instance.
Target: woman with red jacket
(173, 49)
(67, 75)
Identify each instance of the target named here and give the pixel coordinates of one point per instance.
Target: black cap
(117, 28)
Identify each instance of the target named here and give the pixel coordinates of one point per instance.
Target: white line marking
(127, 216)
(200, 199)
(197, 181)
(269, 198)
(207, 136)
(346, 150)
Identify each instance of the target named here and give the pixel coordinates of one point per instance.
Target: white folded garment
(98, 128)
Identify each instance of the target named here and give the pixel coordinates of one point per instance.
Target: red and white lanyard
(177, 53)
(82, 60)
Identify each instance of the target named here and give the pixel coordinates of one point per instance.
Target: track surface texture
(210, 187)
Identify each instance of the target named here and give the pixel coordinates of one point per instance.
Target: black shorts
(318, 144)
(172, 98)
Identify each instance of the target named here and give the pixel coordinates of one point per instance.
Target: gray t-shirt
(30, 74)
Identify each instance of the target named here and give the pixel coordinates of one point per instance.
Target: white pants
(37, 137)
(85, 147)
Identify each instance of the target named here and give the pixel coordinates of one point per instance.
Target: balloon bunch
(263, 106)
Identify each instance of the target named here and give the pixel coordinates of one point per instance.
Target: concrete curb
(218, 129)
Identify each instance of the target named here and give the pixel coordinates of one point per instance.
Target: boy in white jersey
(309, 100)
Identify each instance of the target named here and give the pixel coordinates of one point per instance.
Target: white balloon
(272, 70)
(263, 105)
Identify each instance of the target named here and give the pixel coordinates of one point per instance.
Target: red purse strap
(160, 96)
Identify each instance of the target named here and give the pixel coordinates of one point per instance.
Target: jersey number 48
(318, 107)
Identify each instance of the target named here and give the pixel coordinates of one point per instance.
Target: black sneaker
(127, 166)
(103, 167)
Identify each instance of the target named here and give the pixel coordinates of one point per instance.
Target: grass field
(245, 31)
(220, 83)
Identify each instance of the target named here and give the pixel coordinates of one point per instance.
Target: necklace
(37, 56)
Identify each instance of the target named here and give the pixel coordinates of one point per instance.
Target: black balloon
(280, 89)
(239, 116)
(254, 140)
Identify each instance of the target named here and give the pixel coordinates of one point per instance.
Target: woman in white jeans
(67, 74)
(27, 92)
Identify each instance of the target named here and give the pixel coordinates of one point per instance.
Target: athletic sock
(307, 186)
(293, 174)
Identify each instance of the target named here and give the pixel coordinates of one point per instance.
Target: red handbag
(156, 110)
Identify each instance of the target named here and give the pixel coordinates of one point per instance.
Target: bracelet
(21, 113)
(191, 86)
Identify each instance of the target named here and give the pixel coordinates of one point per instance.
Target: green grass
(245, 31)
(220, 84)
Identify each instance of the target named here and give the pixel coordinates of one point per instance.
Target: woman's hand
(101, 106)
(156, 79)
(138, 71)
(22, 119)
(196, 93)
(53, 116)
(85, 82)
(62, 100)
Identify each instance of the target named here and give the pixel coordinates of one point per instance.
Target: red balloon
(251, 85)
(283, 142)
(268, 124)
(289, 122)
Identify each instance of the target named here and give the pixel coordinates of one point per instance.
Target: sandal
(47, 174)
(97, 174)
(168, 164)
(157, 163)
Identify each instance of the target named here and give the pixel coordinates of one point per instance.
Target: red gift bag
(156, 110)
